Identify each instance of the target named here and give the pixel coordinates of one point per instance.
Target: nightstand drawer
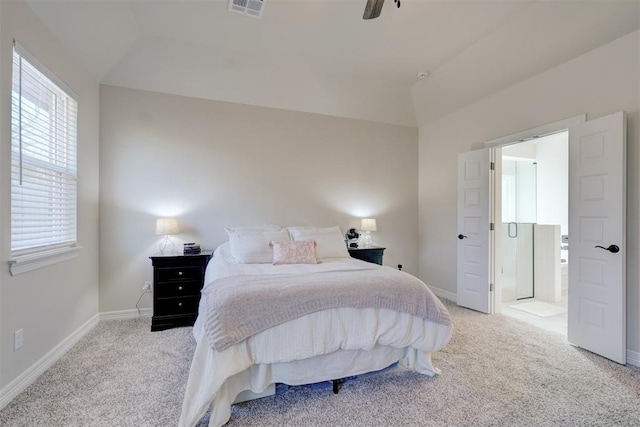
(179, 273)
(175, 306)
(375, 258)
(177, 289)
(368, 254)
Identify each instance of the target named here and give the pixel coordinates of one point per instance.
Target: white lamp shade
(368, 224)
(166, 226)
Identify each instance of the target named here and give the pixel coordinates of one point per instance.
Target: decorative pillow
(329, 241)
(301, 252)
(253, 247)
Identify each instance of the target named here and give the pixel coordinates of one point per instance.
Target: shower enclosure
(518, 219)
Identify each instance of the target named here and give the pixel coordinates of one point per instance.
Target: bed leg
(336, 386)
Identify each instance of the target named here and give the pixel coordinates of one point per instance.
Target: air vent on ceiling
(252, 8)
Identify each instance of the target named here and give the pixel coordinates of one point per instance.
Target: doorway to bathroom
(596, 318)
(534, 232)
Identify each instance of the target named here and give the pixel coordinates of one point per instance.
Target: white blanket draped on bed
(328, 344)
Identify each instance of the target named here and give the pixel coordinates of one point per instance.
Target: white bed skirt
(216, 378)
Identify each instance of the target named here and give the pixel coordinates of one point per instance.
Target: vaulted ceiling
(320, 56)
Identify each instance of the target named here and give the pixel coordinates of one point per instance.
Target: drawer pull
(179, 288)
(179, 273)
(179, 304)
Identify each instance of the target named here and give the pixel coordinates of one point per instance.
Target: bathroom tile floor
(556, 323)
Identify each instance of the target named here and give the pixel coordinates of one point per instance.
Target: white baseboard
(444, 294)
(24, 380)
(126, 314)
(633, 358)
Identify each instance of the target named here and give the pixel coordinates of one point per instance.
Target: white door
(597, 250)
(474, 242)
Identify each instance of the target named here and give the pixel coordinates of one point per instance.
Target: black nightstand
(370, 254)
(177, 282)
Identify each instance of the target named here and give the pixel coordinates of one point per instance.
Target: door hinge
(492, 166)
(491, 287)
(491, 226)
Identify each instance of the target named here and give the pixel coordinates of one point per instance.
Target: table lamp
(368, 225)
(166, 227)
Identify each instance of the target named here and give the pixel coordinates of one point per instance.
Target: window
(43, 161)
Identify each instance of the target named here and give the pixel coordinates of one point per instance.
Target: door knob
(461, 236)
(614, 249)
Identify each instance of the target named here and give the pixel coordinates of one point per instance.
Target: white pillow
(253, 228)
(303, 228)
(329, 241)
(252, 247)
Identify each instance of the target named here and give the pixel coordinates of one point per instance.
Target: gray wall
(598, 83)
(214, 164)
(51, 303)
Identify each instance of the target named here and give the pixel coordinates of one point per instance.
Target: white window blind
(43, 159)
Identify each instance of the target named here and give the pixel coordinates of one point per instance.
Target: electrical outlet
(147, 286)
(18, 339)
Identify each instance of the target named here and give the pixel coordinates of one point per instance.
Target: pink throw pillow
(299, 252)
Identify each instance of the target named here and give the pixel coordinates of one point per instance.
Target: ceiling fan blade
(372, 9)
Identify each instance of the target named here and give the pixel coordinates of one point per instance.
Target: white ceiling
(320, 56)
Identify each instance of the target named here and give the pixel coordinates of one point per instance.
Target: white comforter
(329, 344)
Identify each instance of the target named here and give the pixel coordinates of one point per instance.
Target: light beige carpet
(497, 371)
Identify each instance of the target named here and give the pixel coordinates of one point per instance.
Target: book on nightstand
(191, 249)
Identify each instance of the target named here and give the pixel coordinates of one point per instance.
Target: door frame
(497, 144)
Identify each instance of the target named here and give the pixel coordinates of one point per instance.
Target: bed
(302, 322)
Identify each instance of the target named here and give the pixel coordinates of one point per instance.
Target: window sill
(24, 263)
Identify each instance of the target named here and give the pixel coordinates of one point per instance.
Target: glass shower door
(518, 216)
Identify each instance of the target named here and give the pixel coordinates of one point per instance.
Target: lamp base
(167, 246)
(367, 241)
